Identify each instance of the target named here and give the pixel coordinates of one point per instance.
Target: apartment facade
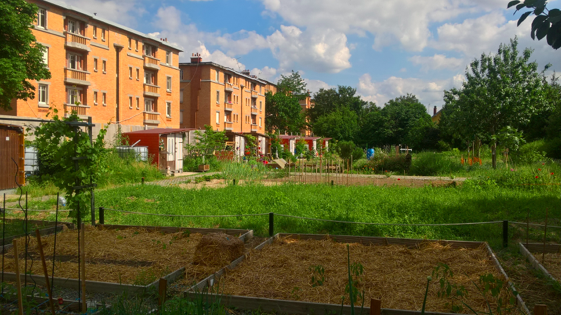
(103, 70)
(227, 100)
(306, 103)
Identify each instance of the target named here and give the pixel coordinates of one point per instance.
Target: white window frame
(95, 64)
(130, 43)
(148, 105)
(130, 73)
(168, 109)
(181, 95)
(104, 66)
(46, 57)
(42, 20)
(95, 97)
(43, 95)
(137, 102)
(217, 76)
(104, 98)
(260, 106)
(75, 27)
(259, 122)
(94, 32)
(137, 74)
(217, 97)
(130, 102)
(77, 61)
(168, 84)
(102, 34)
(73, 95)
(151, 76)
(136, 45)
(218, 117)
(168, 58)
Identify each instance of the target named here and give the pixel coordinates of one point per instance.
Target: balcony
(228, 87)
(151, 118)
(76, 77)
(254, 110)
(151, 90)
(77, 42)
(253, 128)
(151, 63)
(229, 125)
(81, 110)
(228, 106)
(254, 93)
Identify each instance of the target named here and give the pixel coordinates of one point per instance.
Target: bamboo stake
(18, 280)
(83, 267)
(527, 226)
(544, 235)
(42, 254)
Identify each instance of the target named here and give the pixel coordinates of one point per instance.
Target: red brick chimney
(434, 114)
(196, 58)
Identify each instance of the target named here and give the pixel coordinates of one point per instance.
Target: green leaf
(542, 30)
(552, 36)
(529, 3)
(523, 17)
(520, 6)
(511, 3)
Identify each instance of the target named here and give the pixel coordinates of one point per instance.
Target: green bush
(358, 153)
(128, 170)
(191, 163)
(432, 164)
(382, 163)
(529, 153)
(552, 147)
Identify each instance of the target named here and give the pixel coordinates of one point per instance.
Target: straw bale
(218, 249)
(394, 273)
(552, 263)
(128, 256)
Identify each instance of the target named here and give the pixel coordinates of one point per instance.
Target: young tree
(546, 23)
(207, 142)
(283, 113)
(21, 57)
(292, 84)
(401, 114)
(341, 124)
(500, 90)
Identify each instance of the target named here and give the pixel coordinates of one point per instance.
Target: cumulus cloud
(124, 12)
(314, 85)
(428, 91)
(437, 62)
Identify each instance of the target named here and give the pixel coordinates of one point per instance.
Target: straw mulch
(395, 274)
(218, 249)
(128, 256)
(552, 264)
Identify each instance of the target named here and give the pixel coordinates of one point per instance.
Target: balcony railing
(229, 125)
(73, 38)
(253, 127)
(228, 106)
(151, 118)
(151, 62)
(76, 77)
(228, 87)
(81, 110)
(254, 110)
(151, 90)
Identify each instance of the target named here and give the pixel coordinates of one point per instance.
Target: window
(46, 56)
(168, 84)
(43, 94)
(181, 74)
(102, 34)
(259, 121)
(181, 116)
(260, 105)
(130, 101)
(104, 66)
(148, 105)
(42, 18)
(168, 57)
(217, 97)
(73, 27)
(181, 96)
(73, 95)
(137, 74)
(95, 97)
(260, 89)
(149, 51)
(104, 99)
(74, 62)
(94, 32)
(217, 75)
(148, 78)
(168, 109)
(130, 43)
(137, 102)
(95, 65)
(136, 45)
(218, 118)
(130, 73)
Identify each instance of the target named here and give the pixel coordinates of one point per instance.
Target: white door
(171, 148)
(237, 145)
(292, 143)
(179, 152)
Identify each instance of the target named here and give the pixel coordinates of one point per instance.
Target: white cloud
(428, 91)
(266, 73)
(125, 12)
(319, 50)
(314, 85)
(437, 62)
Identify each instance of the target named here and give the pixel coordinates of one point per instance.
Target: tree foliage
(342, 124)
(546, 24)
(283, 113)
(292, 84)
(401, 114)
(21, 57)
(330, 100)
(207, 142)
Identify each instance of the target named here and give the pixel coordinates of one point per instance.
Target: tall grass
(433, 164)
(244, 171)
(128, 170)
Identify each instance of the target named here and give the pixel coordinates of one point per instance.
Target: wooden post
(544, 235)
(540, 309)
(40, 247)
(18, 280)
(83, 267)
(527, 226)
(162, 291)
(375, 307)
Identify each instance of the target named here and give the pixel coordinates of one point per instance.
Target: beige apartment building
(225, 99)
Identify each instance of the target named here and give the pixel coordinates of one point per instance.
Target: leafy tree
(500, 90)
(401, 114)
(341, 124)
(21, 57)
(283, 113)
(329, 100)
(423, 134)
(374, 129)
(292, 84)
(547, 23)
(207, 142)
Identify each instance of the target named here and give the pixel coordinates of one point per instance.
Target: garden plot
(313, 268)
(546, 258)
(125, 254)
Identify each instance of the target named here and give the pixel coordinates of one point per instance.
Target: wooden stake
(42, 254)
(540, 309)
(375, 307)
(18, 280)
(83, 267)
(527, 226)
(162, 291)
(544, 235)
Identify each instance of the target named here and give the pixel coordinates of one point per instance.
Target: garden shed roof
(160, 131)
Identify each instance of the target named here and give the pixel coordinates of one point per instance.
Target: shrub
(552, 147)
(191, 163)
(431, 164)
(529, 153)
(382, 163)
(128, 170)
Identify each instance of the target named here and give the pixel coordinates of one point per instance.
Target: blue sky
(384, 49)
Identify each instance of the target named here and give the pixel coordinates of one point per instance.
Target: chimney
(196, 58)
(246, 72)
(434, 114)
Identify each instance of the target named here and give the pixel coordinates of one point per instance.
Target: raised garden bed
(545, 258)
(122, 258)
(394, 270)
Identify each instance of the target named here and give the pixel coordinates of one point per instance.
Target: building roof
(210, 63)
(288, 137)
(96, 18)
(159, 131)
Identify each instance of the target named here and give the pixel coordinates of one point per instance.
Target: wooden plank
(170, 229)
(533, 261)
(540, 309)
(44, 232)
(539, 248)
(18, 278)
(69, 305)
(295, 307)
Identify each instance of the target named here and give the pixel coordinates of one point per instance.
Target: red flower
(398, 179)
(543, 163)
(537, 176)
(539, 169)
(551, 173)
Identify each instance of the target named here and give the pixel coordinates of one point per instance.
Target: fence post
(162, 288)
(101, 215)
(271, 223)
(505, 233)
(331, 182)
(234, 182)
(142, 180)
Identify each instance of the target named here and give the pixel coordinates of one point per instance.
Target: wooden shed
(165, 146)
(11, 149)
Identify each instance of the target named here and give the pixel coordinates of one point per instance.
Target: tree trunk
(494, 154)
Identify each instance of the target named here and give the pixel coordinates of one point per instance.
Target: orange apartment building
(306, 104)
(103, 70)
(227, 100)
